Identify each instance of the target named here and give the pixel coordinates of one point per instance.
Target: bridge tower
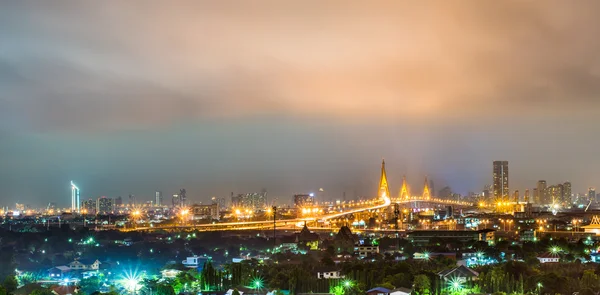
(384, 190)
(426, 193)
(404, 195)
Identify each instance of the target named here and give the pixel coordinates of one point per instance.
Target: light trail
(251, 225)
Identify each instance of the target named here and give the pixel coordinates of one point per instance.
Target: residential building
(542, 193)
(548, 257)
(379, 291)
(104, 205)
(158, 199)
(303, 200)
(89, 207)
(84, 264)
(461, 274)
(500, 181)
(205, 211)
(329, 273)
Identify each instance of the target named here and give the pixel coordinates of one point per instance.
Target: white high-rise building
(75, 203)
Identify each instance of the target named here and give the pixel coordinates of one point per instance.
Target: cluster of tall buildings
(555, 194)
(253, 201)
(542, 194)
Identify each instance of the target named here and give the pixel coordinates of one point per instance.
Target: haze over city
(220, 97)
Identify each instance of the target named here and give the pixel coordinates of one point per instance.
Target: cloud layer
(90, 65)
(220, 96)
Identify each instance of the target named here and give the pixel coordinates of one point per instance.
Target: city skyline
(294, 96)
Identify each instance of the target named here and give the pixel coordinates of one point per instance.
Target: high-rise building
(118, 201)
(592, 194)
(542, 192)
(75, 202)
(104, 205)
(567, 193)
(253, 201)
(158, 199)
(89, 207)
(303, 200)
(556, 194)
(182, 197)
(175, 201)
(526, 197)
(516, 196)
(131, 200)
(500, 178)
(220, 202)
(536, 196)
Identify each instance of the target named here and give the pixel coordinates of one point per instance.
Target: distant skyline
(133, 97)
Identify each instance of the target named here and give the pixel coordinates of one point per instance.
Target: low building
(460, 274)
(329, 273)
(401, 291)
(59, 272)
(548, 257)
(84, 264)
(365, 250)
(194, 261)
(379, 291)
(209, 212)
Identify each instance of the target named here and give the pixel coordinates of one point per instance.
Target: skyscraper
(89, 207)
(592, 194)
(104, 205)
(75, 202)
(567, 194)
(131, 200)
(526, 198)
(500, 184)
(542, 192)
(182, 198)
(159, 199)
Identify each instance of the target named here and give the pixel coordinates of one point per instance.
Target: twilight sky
(235, 96)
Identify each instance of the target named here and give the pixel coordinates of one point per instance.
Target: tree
(2, 291)
(422, 285)
(164, 289)
(589, 280)
(43, 291)
(10, 284)
(89, 285)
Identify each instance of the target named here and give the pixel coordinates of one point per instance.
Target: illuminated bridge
(379, 206)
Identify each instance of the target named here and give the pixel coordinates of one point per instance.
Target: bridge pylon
(384, 190)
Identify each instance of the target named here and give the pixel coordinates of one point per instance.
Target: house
(365, 249)
(329, 273)
(65, 290)
(194, 261)
(59, 272)
(460, 273)
(401, 291)
(548, 257)
(84, 264)
(379, 291)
